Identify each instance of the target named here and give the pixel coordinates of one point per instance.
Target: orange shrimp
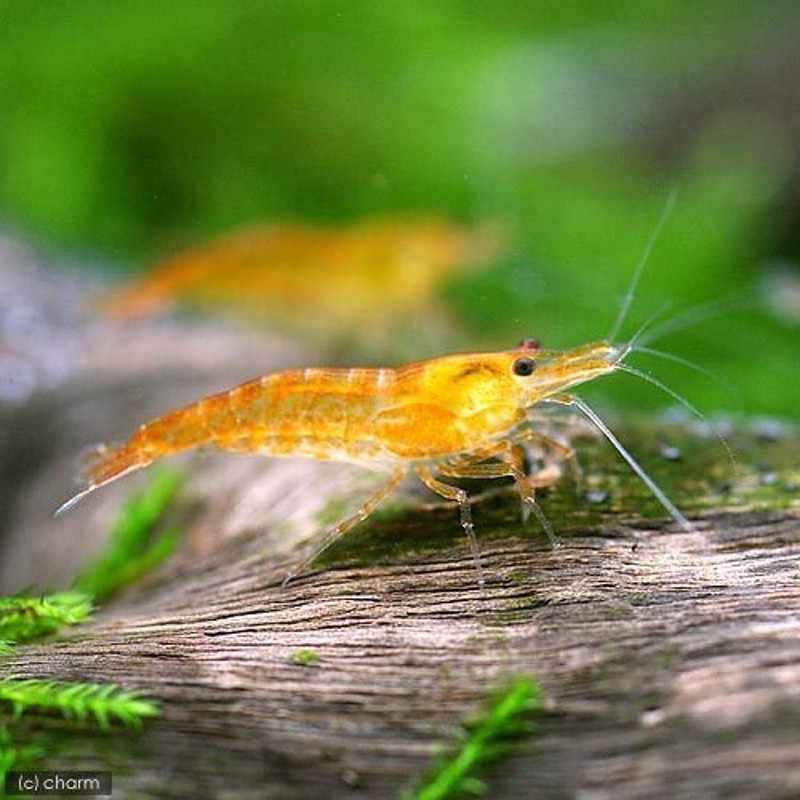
(457, 416)
(318, 278)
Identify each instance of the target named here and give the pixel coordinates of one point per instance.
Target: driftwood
(670, 660)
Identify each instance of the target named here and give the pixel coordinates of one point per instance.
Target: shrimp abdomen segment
(312, 412)
(296, 412)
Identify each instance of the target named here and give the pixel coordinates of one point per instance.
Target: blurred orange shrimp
(317, 278)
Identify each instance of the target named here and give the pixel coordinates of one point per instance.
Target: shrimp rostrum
(455, 416)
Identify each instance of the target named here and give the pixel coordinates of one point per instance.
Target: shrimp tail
(103, 464)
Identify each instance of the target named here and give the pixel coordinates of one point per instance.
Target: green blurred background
(133, 127)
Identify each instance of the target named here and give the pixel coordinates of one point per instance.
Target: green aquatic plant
(133, 550)
(26, 618)
(508, 718)
(18, 756)
(103, 704)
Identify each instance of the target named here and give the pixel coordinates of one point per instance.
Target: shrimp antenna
(727, 385)
(631, 345)
(673, 510)
(683, 401)
(697, 315)
(637, 273)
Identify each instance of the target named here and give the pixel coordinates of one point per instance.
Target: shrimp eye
(530, 344)
(523, 366)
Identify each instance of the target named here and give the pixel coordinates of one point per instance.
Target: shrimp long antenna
(727, 385)
(683, 401)
(697, 315)
(673, 510)
(645, 257)
(632, 343)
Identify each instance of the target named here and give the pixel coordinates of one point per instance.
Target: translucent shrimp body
(456, 416)
(419, 412)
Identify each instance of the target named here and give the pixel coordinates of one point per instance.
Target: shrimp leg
(350, 522)
(501, 465)
(460, 496)
(565, 452)
(510, 463)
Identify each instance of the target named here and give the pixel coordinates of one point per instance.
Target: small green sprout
(305, 658)
(508, 718)
(17, 756)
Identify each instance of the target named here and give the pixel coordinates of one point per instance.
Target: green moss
(16, 755)
(305, 658)
(26, 704)
(519, 608)
(25, 618)
(507, 719)
(103, 704)
(668, 657)
(133, 548)
(445, 671)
